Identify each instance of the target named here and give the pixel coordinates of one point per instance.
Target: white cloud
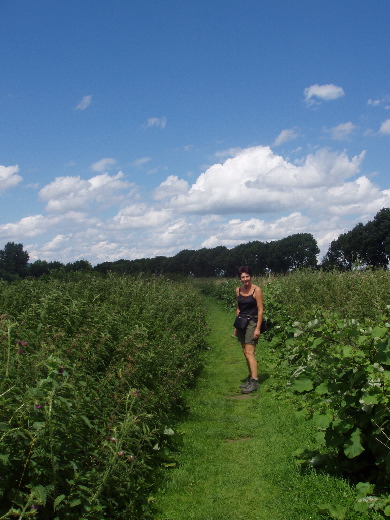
(258, 181)
(104, 164)
(285, 136)
(385, 127)
(230, 152)
(233, 231)
(139, 216)
(159, 122)
(171, 187)
(141, 161)
(84, 103)
(9, 177)
(323, 93)
(27, 226)
(58, 242)
(341, 132)
(380, 102)
(73, 193)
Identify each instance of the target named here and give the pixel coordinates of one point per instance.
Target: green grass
(237, 461)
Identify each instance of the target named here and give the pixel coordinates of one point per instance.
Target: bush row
(93, 374)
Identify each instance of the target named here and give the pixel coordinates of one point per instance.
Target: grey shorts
(246, 336)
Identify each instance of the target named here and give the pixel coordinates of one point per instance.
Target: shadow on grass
(336, 465)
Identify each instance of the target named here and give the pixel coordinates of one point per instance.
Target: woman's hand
(256, 334)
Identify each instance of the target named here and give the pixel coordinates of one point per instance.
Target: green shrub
(93, 374)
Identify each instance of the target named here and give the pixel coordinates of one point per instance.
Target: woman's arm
(237, 309)
(260, 310)
(237, 293)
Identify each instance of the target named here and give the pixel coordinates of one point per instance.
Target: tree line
(364, 246)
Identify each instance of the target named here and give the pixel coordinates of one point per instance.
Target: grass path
(237, 461)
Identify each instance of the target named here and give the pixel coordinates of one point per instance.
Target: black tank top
(247, 304)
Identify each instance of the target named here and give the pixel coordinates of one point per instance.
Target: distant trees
(365, 245)
(281, 256)
(78, 265)
(41, 267)
(14, 264)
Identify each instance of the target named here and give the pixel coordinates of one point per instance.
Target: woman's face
(245, 278)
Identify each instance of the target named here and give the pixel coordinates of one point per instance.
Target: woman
(249, 303)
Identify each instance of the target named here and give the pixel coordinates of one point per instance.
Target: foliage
(13, 261)
(93, 372)
(294, 252)
(365, 244)
(331, 331)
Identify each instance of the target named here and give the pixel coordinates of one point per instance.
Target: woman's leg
(249, 353)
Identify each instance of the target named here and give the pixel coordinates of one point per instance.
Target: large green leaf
(322, 388)
(322, 420)
(379, 332)
(302, 384)
(369, 399)
(353, 447)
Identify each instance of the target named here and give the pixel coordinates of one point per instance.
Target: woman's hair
(244, 269)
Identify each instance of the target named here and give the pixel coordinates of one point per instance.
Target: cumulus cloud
(9, 177)
(84, 103)
(341, 132)
(104, 164)
(385, 127)
(285, 136)
(257, 180)
(73, 193)
(139, 216)
(316, 93)
(159, 122)
(27, 226)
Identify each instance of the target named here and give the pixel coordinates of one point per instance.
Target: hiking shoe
(252, 385)
(245, 382)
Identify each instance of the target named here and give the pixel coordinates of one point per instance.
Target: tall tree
(13, 259)
(365, 244)
(346, 251)
(376, 250)
(297, 251)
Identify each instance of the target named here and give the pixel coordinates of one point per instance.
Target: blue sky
(130, 129)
